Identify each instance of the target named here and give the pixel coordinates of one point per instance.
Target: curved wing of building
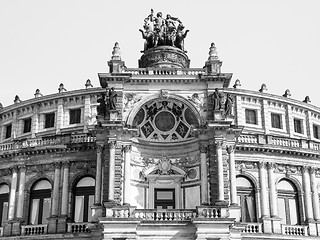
(163, 151)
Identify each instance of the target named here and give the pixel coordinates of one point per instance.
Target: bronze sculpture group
(220, 102)
(160, 31)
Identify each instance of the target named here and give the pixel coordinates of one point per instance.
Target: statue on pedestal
(107, 102)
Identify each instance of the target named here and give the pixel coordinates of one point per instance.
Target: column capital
(22, 167)
(66, 164)
(312, 170)
(218, 144)
(262, 165)
(100, 147)
(271, 165)
(14, 169)
(112, 144)
(57, 165)
(126, 148)
(231, 148)
(203, 149)
(304, 169)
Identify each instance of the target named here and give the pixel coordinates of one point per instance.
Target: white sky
(44, 43)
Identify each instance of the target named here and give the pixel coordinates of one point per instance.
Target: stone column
(59, 116)
(307, 193)
(86, 113)
(112, 150)
(55, 193)
(65, 189)
(204, 175)
(97, 196)
(220, 171)
(263, 190)
(12, 200)
(272, 191)
(232, 176)
(22, 183)
(315, 196)
(127, 174)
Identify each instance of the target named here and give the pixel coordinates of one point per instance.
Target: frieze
(82, 165)
(245, 165)
(5, 172)
(288, 170)
(40, 168)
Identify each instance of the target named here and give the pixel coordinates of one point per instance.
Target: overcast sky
(44, 43)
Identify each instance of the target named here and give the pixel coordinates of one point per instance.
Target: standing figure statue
(180, 36)
(102, 108)
(112, 99)
(228, 105)
(217, 100)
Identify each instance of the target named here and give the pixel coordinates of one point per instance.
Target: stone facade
(163, 151)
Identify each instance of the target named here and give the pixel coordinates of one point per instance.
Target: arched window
(40, 202)
(246, 199)
(288, 206)
(4, 203)
(83, 199)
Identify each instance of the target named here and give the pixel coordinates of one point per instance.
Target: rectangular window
(27, 125)
(251, 116)
(297, 125)
(316, 131)
(49, 120)
(75, 116)
(8, 130)
(276, 120)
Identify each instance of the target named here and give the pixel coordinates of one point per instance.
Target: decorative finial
(116, 52)
(88, 84)
(307, 99)
(213, 54)
(237, 84)
(37, 93)
(263, 88)
(17, 99)
(1, 106)
(61, 88)
(287, 93)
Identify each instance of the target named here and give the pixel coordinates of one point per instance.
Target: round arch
(150, 98)
(251, 178)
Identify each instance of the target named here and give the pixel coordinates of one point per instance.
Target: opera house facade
(162, 151)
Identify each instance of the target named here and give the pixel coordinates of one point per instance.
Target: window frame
(242, 194)
(4, 198)
(49, 123)
(85, 191)
(40, 194)
(316, 131)
(248, 117)
(295, 126)
(8, 127)
(77, 118)
(288, 195)
(29, 127)
(275, 121)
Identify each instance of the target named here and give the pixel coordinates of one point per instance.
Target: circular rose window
(164, 121)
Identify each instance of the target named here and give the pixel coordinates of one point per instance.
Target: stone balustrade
(286, 142)
(294, 230)
(48, 141)
(164, 215)
(165, 71)
(253, 228)
(78, 228)
(80, 138)
(248, 139)
(34, 229)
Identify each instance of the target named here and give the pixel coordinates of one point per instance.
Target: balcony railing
(167, 214)
(286, 142)
(80, 138)
(165, 71)
(78, 228)
(294, 230)
(34, 229)
(253, 228)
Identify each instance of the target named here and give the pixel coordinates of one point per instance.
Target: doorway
(164, 198)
